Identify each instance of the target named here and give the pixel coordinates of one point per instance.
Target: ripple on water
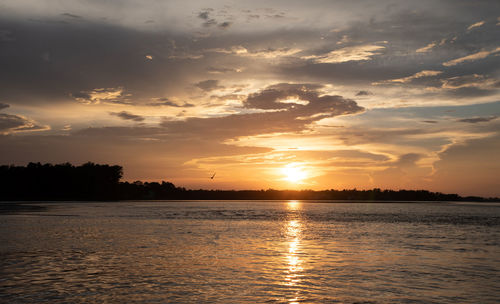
(235, 252)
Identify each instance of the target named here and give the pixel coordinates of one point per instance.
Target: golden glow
(294, 173)
(293, 205)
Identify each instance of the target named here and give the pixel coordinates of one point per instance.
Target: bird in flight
(212, 177)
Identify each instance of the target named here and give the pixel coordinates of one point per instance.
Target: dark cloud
(400, 57)
(220, 70)
(209, 21)
(270, 97)
(225, 24)
(108, 95)
(364, 93)
(279, 15)
(3, 106)
(71, 15)
(228, 97)
(470, 81)
(9, 122)
(477, 119)
(15, 123)
(232, 126)
(291, 118)
(110, 56)
(166, 102)
(105, 56)
(81, 95)
(127, 116)
(408, 159)
(209, 85)
(205, 14)
(430, 121)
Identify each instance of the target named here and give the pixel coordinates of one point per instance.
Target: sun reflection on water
(294, 262)
(293, 205)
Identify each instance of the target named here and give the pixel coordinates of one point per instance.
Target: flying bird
(212, 177)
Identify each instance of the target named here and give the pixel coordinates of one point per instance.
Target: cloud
(127, 116)
(364, 93)
(478, 119)
(289, 117)
(470, 81)
(96, 53)
(71, 16)
(273, 96)
(105, 56)
(424, 73)
(186, 56)
(209, 85)
(96, 96)
(225, 24)
(426, 48)
(235, 50)
(166, 102)
(15, 123)
(149, 57)
(352, 53)
(268, 53)
(221, 70)
(204, 14)
(472, 57)
(408, 159)
(302, 100)
(208, 21)
(229, 97)
(326, 159)
(475, 25)
(3, 106)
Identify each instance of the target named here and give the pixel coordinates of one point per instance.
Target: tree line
(92, 182)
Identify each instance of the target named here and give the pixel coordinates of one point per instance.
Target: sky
(266, 94)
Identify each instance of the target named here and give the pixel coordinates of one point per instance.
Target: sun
(293, 173)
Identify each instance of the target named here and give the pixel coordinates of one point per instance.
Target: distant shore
(94, 182)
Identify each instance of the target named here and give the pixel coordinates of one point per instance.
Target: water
(250, 252)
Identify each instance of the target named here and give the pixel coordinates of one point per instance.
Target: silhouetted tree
(91, 181)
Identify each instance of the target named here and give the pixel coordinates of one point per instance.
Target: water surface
(250, 252)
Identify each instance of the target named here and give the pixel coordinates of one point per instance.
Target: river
(250, 252)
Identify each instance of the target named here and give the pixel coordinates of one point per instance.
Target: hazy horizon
(281, 94)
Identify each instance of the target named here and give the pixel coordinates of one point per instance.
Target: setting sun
(293, 173)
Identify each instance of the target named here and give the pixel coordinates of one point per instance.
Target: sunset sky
(267, 94)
